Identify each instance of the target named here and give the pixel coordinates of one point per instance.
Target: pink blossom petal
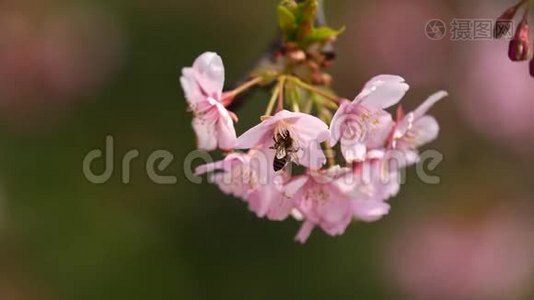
(404, 156)
(382, 91)
(322, 203)
(425, 130)
(292, 187)
(228, 186)
(209, 71)
(270, 201)
(376, 154)
(205, 132)
(336, 228)
(377, 134)
(392, 187)
(353, 152)
(192, 91)
(257, 135)
(335, 211)
(225, 164)
(404, 125)
(261, 162)
(337, 123)
(428, 103)
(304, 232)
(295, 213)
(369, 211)
(312, 156)
(209, 167)
(236, 177)
(281, 208)
(309, 128)
(259, 200)
(225, 128)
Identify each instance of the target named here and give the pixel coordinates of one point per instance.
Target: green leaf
(306, 13)
(286, 19)
(323, 34)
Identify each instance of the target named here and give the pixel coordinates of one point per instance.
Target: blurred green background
(73, 72)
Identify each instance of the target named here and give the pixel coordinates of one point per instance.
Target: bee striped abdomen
(279, 163)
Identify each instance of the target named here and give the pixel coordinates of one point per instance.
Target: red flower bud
(520, 47)
(522, 30)
(519, 50)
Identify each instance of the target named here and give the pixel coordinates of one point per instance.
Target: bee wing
(293, 156)
(280, 153)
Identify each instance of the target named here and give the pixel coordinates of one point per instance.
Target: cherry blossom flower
(363, 124)
(323, 201)
(274, 200)
(203, 85)
(243, 175)
(375, 147)
(416, 128)
(304, 130)
(379, 180)
(332, 198)
(235, 177)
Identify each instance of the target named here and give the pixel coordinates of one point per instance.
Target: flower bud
(297, 55)
(520, 48)
(290, 46)
(326, 79)
(313, 66)
(522, 30)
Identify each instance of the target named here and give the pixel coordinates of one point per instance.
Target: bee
(285, 150)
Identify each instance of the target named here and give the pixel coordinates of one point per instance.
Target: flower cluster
(520, 47)
(286, 165)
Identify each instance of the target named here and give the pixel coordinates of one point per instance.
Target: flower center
(283, 130)
(316, 195)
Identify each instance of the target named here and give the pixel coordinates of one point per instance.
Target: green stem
(313, 89)
(274, 96)
(245, 86)
(295, 106)
(309, 105)
(281, 93)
